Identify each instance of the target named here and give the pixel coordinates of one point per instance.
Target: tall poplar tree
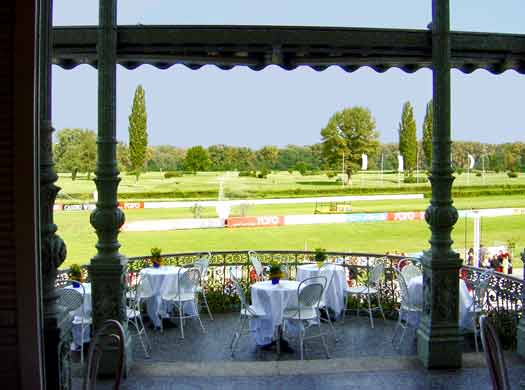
(427, 134)
(138, 132)
(407, 138)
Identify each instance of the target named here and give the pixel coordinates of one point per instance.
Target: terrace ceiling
(288, 47)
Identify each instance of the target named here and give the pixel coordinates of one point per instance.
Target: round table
(334, 294)
(160, 279)
(272, 299)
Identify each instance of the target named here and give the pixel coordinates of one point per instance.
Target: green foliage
(75, 272)
(197, 159)
(76, 151)
(196, 210)
(172, 174)
(512, 174)
(267, 157)
(427, 134)
(155, 252)
(301, 167)
(165, 158)
(320, 254)
(351, 133)
(407, 137)
(506, 324)
(138, 133)
(410, 179)
(263, 174)
(331, 174)
(275, 269)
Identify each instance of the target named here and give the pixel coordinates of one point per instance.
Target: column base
(521, 338)
(442, 349)
(108, 360)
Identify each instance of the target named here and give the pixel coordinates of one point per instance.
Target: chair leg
(206, 304)
(475, 334)
(345, 307)
(370, 311)
(135, 324)
(301, 343)
(237, 335)
(323, 341)
(82, 343)
(331, 325)
(148, 342)
(181, 320)
(380, 307)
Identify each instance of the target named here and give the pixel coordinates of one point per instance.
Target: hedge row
(459, 191)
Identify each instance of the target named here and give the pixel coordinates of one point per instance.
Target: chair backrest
(309, 294)
(257, 265)
(144, 289)
(376, 274)
(189, 279)
(71, 298)
(310, 291)
(493, 355)
(403, 289)
(410, 271)
(240, 292)
(202, 264)
(110, 330)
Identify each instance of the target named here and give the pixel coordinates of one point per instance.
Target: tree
(76, 151)
(138, 133)
(427, 134)
(124, 164)
(350, 132)
(407, 137)
(197, 159)
(267, 157)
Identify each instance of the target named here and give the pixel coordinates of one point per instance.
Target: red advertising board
(406, 216)
(131, 205)
(255, 221)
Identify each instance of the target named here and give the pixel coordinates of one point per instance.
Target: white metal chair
(410, 271)
(479, 298)
(309, 294)
(248, 312)
(184, 293)
(143, 290)
(257, 265)
(371, 289)
(407, 310)
(72, 299)
(202, 264)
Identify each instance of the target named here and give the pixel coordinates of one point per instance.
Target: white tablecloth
(76, 330)
(334, 295)
(415, 292)
(160, 279)
(272, 299)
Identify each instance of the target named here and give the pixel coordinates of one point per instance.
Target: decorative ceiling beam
(289, 47)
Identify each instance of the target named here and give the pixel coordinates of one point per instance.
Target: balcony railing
(505, 292)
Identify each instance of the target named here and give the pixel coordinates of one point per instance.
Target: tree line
(348, 135)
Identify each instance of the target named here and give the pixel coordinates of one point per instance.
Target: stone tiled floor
(361, 358)
(355, 338)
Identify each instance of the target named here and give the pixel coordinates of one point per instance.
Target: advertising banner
(131, 205)
(172, 224)
(58, 207)
(255, 221)
(406, 216)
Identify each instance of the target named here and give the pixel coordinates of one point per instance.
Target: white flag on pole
(400, 163)
(471, 161)
(364, 162)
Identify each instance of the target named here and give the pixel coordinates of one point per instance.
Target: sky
(275, 107)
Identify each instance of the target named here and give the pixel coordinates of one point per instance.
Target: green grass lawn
(359, 237)
(246, 186)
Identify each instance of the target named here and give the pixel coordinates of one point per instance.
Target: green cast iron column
(108, 268)
(521, 325)
(57, 325)
(439, 341)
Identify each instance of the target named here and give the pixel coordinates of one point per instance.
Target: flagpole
(468, 169)
(381, 169)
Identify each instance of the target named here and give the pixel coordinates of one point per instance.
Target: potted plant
(156, 258)
(75, 274)
(320, 256)
(275, 272)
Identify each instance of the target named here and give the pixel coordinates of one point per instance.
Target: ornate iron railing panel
(505, 292)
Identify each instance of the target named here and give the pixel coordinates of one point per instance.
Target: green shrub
(459, 171)
(410, 179)
(478, 174)
(263, 174)
(512, 174)
(506, 324)
(170, 174)
(331, 174)
(246, 174)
